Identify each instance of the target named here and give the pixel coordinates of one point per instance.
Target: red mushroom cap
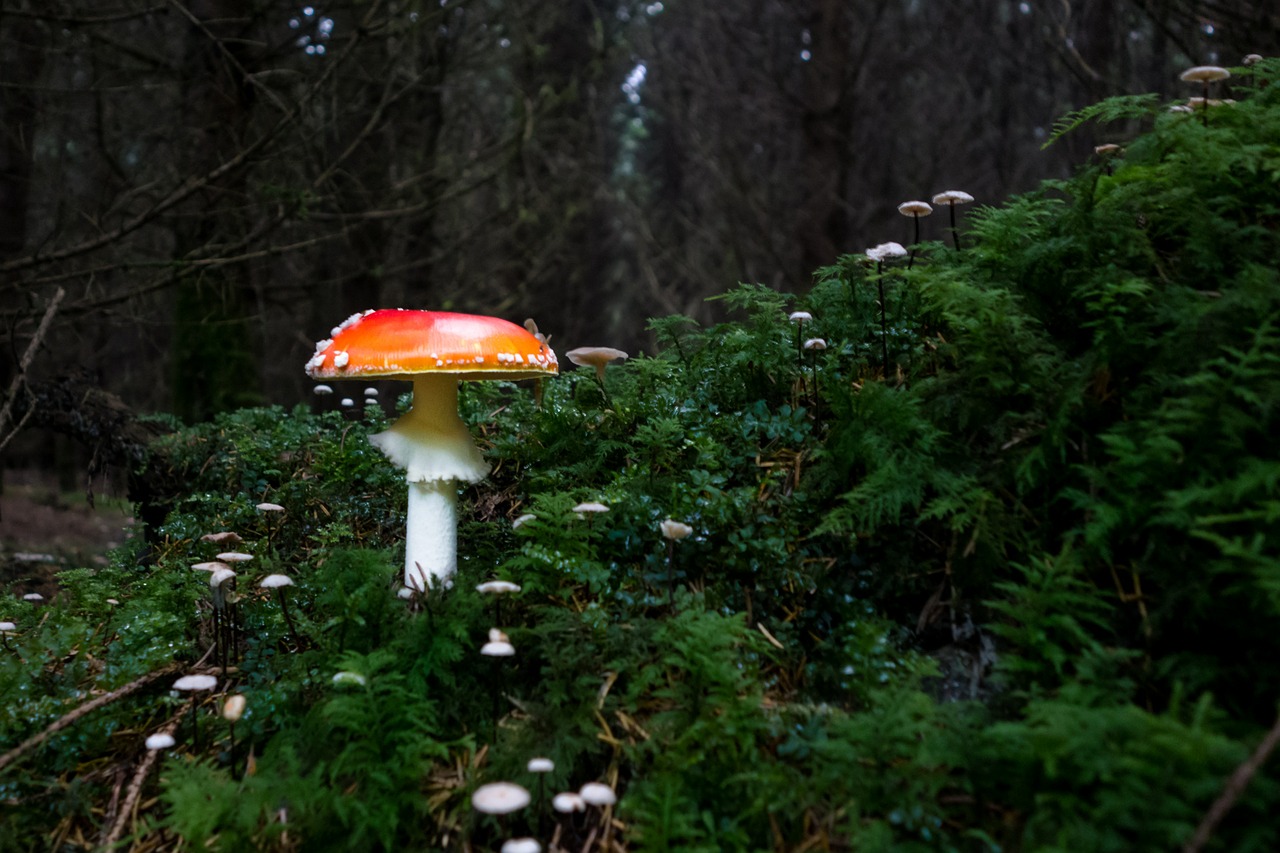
(399, 343)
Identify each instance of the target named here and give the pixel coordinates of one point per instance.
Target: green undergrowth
(1015, 589)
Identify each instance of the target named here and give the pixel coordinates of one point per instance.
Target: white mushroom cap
(222, 536)
(6, 627)
(675, 529)
(595, 356)
(33, 596)
(815, 343)
(275, 581)
(1251, 59)
(597, 794)
(591, 506)
(1204, 74)
(915, 208)
(234, 557)
(269, 507)
(210, 566)
(568, 802)
(884, 251)
(498, 649)
(541, 765)
(194, 683)
(371, 391)
(522, 520)
(405, 593)
(952, 197)
(160, 740)
(233, 708)
(322, 390)
(347, 677)
(346, 402)
(521, 845)
(497, 587)
(800, 317)
(499, 798)
(219, 577)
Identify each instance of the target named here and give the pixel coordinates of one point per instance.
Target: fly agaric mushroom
(434, 350)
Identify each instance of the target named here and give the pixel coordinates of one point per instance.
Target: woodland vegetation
(1012, 588)
(973, 548)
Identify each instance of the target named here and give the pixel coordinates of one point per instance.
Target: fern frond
(1112, 109)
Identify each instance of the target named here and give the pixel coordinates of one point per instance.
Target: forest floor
(44, 530)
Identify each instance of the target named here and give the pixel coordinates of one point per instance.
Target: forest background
(215, 183)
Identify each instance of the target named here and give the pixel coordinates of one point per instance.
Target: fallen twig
(20, 378)
(1236, 784)
(85, 709)
(125, 816)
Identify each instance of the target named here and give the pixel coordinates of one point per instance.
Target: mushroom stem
(431, 534)
(436, 450)
(884, 329)
(955, 235)
(911, 260)
(284, 609)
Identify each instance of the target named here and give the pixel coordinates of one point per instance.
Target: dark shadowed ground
(43, 531)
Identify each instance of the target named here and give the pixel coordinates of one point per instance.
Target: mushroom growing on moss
(951, 198)
(434, 350)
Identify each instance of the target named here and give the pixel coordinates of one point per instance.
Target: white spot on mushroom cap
(340, 358)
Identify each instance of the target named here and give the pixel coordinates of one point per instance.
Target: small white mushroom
(499, 798)
(568, 802)
(233, 708)
(541, 765)
(497, 587)
(234, 557)
(674, 530)
(195, 683)
(160, 740)
(269, 507)
(521, 845)
(597, 794)
(275, 582)
(341, 679)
